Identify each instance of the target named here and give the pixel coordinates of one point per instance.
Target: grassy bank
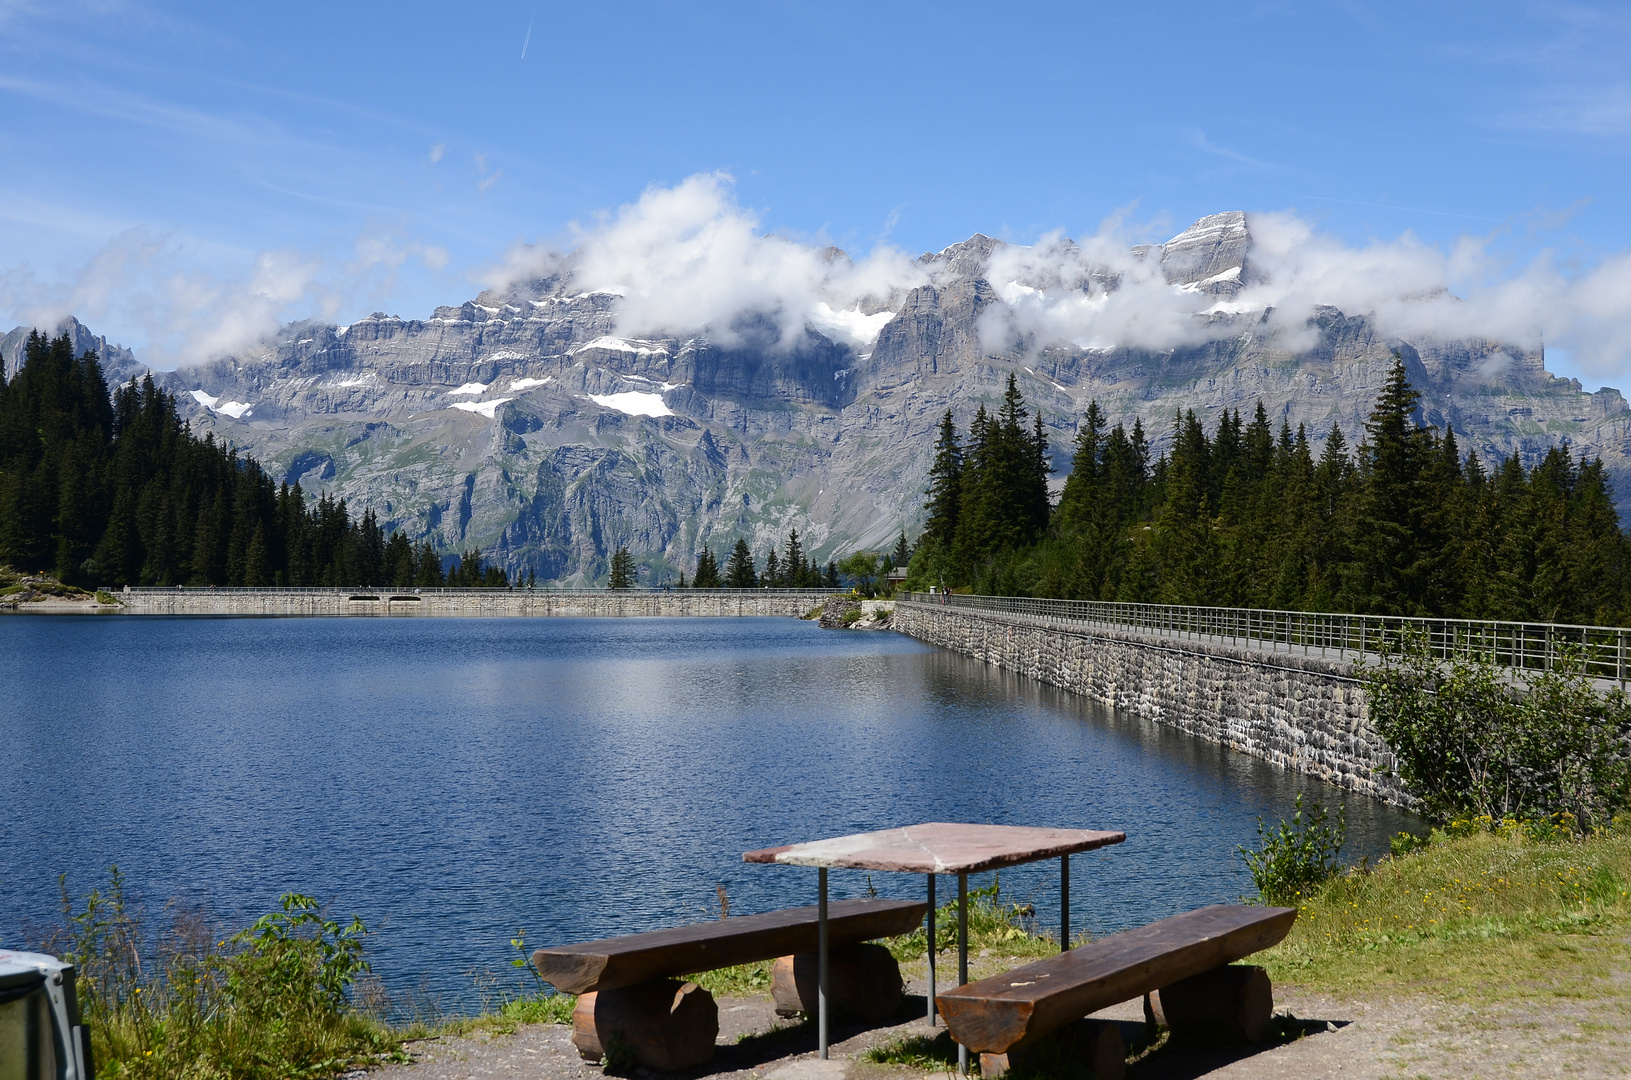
(1489, 916)
(1493, 915)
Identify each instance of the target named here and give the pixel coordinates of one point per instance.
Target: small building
(895, 580)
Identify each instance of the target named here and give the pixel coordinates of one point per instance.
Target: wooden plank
(994, 1014)
(741, 939)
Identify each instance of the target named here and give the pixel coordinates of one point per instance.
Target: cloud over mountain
(690, 258)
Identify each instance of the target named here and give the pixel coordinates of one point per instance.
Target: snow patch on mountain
(235, 409)
(483, 408)
(617, 344)
(633, 403)
(851, 326)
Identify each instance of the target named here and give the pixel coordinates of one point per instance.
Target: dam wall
(470, 603)
(1301, 712)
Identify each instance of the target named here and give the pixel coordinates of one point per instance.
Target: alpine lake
(459, 782)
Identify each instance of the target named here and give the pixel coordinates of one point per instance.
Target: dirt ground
(1326, 1037)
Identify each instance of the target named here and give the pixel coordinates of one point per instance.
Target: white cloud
(151, 285)
(1410, 288)
(689, 258)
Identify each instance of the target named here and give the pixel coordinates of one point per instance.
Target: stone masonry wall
(1301, 713)
(475, 603)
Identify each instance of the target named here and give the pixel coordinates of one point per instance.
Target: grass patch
(994, 924)
(106, 598)
(918, 1052)
(1491, 916)
(739, 981)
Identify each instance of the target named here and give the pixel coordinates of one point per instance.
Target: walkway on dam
(1354, 640)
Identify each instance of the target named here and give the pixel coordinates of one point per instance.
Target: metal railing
(1354, 638)
(393, 590)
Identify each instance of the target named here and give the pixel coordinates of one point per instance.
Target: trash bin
(41, 1037)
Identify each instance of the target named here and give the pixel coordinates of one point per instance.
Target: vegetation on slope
(1485, 911)
(1404, 524)
(116, 490)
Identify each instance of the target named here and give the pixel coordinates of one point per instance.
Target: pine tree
(945, 490)
(707, 575)
(1399, 541)
(902, 555)
(739, 572)
(399, 561)
(1182, 540)
(622, 574)
(794, 567)
(1081, 491)
(773, 570)
(428, 573)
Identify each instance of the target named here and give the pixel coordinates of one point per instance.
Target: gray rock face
(524, 424)
(1210, 255)
(118, 362)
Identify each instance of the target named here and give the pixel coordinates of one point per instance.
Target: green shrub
(1404, 843)
(1471, 742)
(1297, 856)
(266, 1003)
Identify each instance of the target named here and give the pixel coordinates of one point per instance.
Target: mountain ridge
(524, 421)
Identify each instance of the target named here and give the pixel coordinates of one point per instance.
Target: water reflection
(453, 780)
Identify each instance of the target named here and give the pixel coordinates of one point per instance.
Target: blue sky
(335, 159)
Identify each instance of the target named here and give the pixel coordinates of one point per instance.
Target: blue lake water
(454, 780)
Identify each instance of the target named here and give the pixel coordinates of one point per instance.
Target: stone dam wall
(472, 603)
(1303, 713)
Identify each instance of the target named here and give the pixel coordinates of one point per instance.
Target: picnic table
(931, 849)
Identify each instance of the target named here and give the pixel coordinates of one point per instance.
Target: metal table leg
(962, 956)
(932, 1009)
(821, 965)
(1064, 903)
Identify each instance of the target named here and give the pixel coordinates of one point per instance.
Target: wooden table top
(938, 848)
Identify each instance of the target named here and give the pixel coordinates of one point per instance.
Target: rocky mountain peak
(1210, 255)
(965, 259)
(119, 364)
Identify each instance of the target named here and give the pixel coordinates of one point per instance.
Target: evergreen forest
(1246, 516)
(101, 489)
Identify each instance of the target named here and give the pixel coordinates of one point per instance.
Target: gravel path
(1353, 1040)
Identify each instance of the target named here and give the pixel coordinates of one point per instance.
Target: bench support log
(1230, 1004)
(1096, 1045)
(663, 1024)
(863, 982)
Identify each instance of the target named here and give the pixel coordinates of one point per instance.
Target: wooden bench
(1178, 960)
(630, 1001)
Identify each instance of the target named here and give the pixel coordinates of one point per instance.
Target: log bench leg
(1233, 1003)
(1094, 1044)
(663, 1024)
(863, 983)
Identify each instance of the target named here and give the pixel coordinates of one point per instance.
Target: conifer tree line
(101, 489)
(1251, 516)
(791, 568)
